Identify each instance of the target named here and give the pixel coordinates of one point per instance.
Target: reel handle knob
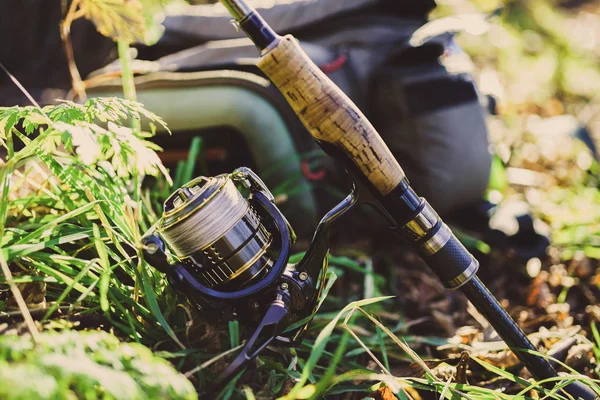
(153, 250)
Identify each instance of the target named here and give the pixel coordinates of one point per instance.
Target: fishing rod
(233, 248)
(331, 118)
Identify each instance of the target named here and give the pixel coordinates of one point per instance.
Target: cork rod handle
(328, 114)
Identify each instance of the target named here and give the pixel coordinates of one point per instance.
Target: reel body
(228, 254)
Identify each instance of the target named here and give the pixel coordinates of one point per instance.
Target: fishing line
(213, 228)
(218, 207)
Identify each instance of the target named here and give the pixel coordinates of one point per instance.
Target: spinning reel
(231, 254)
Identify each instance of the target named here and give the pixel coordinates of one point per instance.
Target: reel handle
(267, 331)
(328, 113)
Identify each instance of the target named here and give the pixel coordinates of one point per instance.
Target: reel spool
(213, 229)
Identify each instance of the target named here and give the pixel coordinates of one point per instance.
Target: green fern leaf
(117, 19)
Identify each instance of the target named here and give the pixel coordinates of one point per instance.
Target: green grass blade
(150, 297)
(596, 340)
(21, 250)
(234, 333)
(5, 174)
(67, 290)
(47, 229)
(105, 276)
(323, 339)
(190, 165)
(381, 342)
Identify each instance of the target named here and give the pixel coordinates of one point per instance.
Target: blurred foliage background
(540, 60)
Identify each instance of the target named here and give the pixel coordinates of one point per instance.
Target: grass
(87, 365)
(72, 219)
(73, 213)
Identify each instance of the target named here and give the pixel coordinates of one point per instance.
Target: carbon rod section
(515, 338)
(485, 302)
(252, 23)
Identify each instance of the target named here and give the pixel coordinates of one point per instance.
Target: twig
(35, 334)
(362, 344)
(37, 311)
(65, 34)
(24, 91)
(212, 361)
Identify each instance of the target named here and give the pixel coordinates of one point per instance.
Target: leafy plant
(124, 21)
(127, 20)
(72, 211)
(86, 365)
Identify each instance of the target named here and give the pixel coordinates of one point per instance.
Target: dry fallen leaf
(384, 393)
